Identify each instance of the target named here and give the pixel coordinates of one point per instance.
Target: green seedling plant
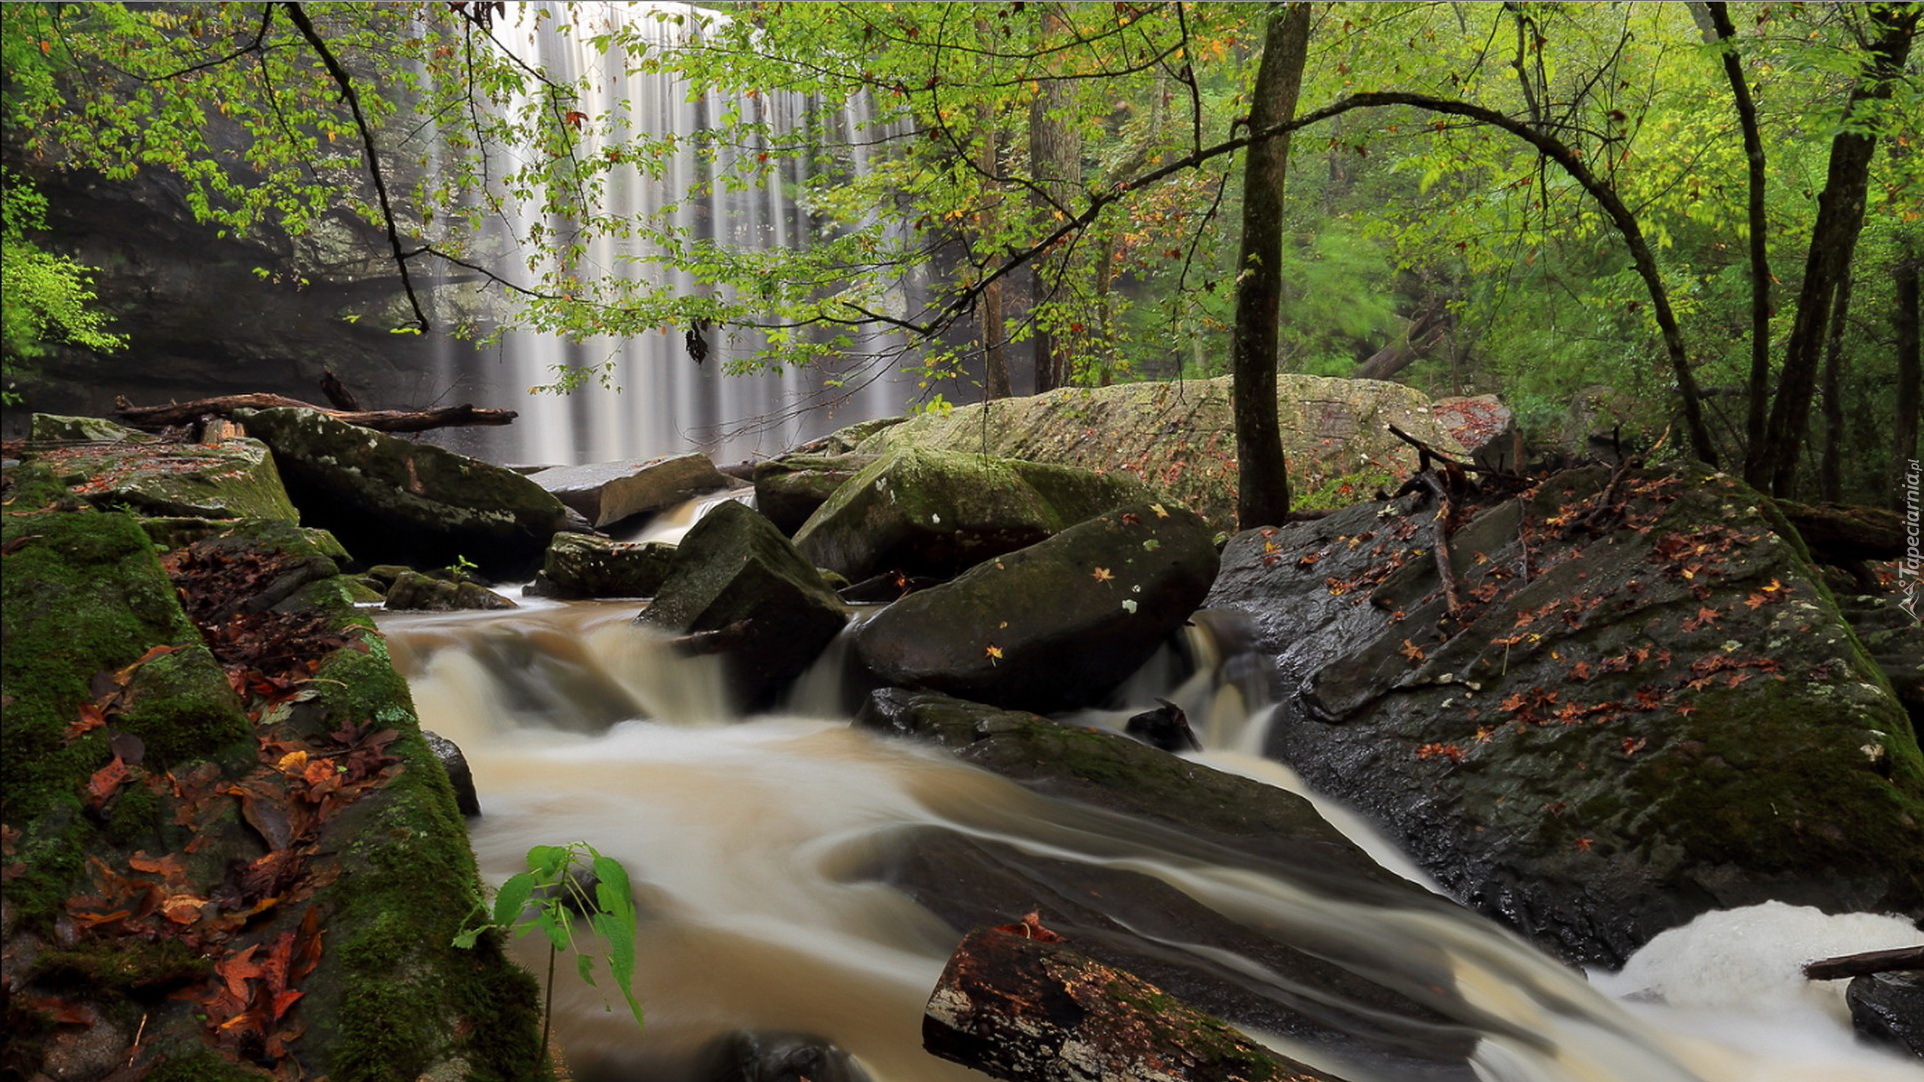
(550, 897)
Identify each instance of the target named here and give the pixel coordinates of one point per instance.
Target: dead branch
(155, 418)
(1865, 964)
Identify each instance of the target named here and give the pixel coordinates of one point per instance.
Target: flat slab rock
(605, 493)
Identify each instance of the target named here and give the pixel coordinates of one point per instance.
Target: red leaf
(105, 780)
(90, 719)
(236, 970)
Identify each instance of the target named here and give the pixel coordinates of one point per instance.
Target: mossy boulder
(413, 591)
(167, 833)
(1054, 626)
(1640, 704)
(47, 428)
(583, 566)
(1179, 437)
(229, 480)
(606, 493)
(929, 512)
(790, 488)
(738, 587)
(390, 500)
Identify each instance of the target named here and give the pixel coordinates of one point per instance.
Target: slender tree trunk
(1830, 466)
(1840, 217)
(1910, 373)
(991, 327)
(1262, 485)
(1719, 14)
(1055, 156)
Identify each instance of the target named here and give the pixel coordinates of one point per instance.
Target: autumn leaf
(993, 653)
(105, 780)
(574, 117)
(90, 719)
(1411, 650)
(1030, 927)
(1583, 844)
(236, 970)
(1102, 574)
(1160, 511)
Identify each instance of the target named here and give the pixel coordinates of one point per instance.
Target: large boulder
(738, 587)
(1053, 626)
(119, 469)
(789, 489)
(1640, 704)
(609, 492)
(928, 512)
(582, 566)
(1124, 918)
(1179, 437)
(390, 500)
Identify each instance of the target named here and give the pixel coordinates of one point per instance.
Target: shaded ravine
(754, 845)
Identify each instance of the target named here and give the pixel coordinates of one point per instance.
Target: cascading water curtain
(659, 399)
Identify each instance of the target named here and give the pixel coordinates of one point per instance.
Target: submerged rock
(1643, 706)
(1053, 626)
(391, 500)
(739, 587)
(1178, 810)
(1888, 1008)
(929, 512)
(754, 1056)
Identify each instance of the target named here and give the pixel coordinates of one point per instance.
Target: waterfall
(655, 398)
(752, 845)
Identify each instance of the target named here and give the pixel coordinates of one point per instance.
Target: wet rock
(752, 1056)
(791, 488)
(51, 428)
(1179, 809)
(391, 500)
(1179, 437)
(416, 592)
(1165, 728)
(1644, 706)
(1053, 626)
(928, 512)
(734, 572)
(605, 493)
(584, 566)
(466, 801)
(1888, 1009)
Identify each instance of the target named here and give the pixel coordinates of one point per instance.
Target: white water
(748, 842)
(657, 399)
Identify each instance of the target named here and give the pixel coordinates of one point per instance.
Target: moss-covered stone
(584, 566)
(931, 512)
(233, 479)
(47, 428)
(1179, 438)
(791, 488)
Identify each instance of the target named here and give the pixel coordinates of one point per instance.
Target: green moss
(182, 707)
(203, 1065)
(31, 486)
(83, 593)
(132, 968)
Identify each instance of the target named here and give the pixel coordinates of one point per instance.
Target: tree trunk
(1719, 15)
(1033, 1010)
(1840, 217)
(991, 328)
(1910, 373)
(1423, 333)
(1262, 483)
(1055, 157)
(183, 413)
(1830, 466)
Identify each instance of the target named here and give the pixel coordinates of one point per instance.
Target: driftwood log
(155, 418)
(1865, 964)
(1017, 1003)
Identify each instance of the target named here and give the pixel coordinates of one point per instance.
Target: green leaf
(512, 898)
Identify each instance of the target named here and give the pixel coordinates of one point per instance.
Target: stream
(750, 844)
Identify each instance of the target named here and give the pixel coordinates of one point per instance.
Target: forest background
(1706, 216)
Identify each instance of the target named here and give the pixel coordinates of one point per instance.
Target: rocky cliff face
(210, 314)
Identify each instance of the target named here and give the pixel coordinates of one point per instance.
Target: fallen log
(1840, 533)
(1865, 964)
(1017, 1003)
(155, 418)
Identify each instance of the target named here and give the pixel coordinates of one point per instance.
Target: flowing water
(751, 844)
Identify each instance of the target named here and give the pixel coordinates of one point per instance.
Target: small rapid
(753, 847)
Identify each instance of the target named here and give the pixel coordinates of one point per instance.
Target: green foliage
(551, 895)
(48, 298)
